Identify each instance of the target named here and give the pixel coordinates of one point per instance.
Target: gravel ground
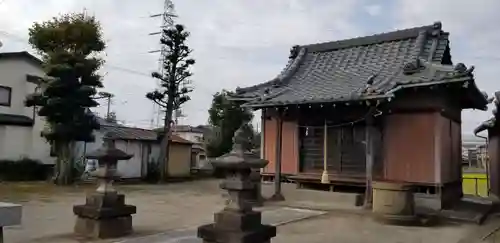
(48, 216)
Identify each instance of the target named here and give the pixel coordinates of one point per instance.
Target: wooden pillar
(278, 196)
(262, 137)
(369, 133)
(324, 176)
(494, 163)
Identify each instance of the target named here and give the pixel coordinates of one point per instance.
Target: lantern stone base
(237, 227)
(103, 228)
(104, 216)
(211, 234)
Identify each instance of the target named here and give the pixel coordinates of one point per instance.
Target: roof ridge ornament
(369, 89)
(460, 70)
(412, 67)
(294, 52)
(436, 29)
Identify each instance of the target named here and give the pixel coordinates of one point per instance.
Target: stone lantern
(105, 214)
(237, 222)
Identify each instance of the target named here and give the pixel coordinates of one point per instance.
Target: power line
(131, 71)
(19, 39)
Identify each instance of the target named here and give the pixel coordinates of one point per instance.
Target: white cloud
(373, 10)
(474, 38)
(236, 43)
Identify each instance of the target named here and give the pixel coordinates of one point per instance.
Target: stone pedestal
(393, 203)
(105, 214)
(10, 214)
(237, 222)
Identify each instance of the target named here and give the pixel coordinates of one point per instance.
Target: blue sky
(241, 42)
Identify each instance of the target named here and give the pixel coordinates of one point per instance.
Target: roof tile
(341, 70)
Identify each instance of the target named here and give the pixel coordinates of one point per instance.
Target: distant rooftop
(134, 133)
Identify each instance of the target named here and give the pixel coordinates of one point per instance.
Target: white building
(140, 143)
(199, 136)
(193, 134)
(144, 145)
(20, 126)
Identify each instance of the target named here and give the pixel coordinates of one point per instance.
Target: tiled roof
(176, 139)
(188, 128)
(129, 133)
(361, 68)
(134, 133)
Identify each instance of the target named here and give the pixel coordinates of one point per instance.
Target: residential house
(200, 136)
(396, 93)
(473, 151)
(191, 133)
(144, 145)
(20, 126)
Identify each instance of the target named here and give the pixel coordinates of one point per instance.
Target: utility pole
(167, 16)
(108, 97)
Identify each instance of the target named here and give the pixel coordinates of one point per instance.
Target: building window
(5, 95)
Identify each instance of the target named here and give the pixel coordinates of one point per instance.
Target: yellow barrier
(475, 184)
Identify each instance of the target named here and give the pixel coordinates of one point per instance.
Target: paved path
(180, 236)
(271, 216)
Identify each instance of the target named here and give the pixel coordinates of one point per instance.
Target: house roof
(363, 68)
(21, 54)
(129, 133)
(176, 139)
(188, 128)
(133, 133)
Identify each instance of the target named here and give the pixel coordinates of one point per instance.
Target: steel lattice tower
(167, 17)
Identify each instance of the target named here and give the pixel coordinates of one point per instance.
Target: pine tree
(172, 93)
(227, 116)
(68, 45)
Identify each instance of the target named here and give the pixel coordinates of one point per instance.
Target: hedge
(24, 170)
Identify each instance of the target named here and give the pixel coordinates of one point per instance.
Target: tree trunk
(163, 158)
(64, 165)
(57, 166)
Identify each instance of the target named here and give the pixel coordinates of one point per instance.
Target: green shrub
(24, 170)
(78, 168)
